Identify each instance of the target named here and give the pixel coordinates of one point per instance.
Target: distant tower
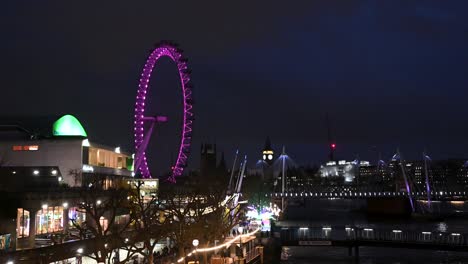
(267, 153)
(222, 164)
(208, 159)
(331, 143)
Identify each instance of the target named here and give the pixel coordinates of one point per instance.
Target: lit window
(31, 148)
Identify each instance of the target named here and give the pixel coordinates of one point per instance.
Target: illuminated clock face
(264, 157)
(270, 157)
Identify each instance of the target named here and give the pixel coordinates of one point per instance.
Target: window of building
(104, 223)
(49, 220)
(107, 158)
(76, 215)
(22, 223)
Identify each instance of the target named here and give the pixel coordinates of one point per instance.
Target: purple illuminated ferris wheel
(143, 133)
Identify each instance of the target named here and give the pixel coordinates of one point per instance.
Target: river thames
(349, 213)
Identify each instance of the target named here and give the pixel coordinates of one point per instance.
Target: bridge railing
(328, 233)
(252, 254)
(366, 194)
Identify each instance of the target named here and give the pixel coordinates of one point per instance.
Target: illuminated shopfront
(75, 215)
(49, 220)
(22, 223)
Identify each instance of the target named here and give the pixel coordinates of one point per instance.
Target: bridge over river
(439, 196)
(354, 237)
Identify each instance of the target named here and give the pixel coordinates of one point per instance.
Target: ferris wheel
(144, 122)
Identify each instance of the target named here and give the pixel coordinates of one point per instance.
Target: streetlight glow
(195, 242)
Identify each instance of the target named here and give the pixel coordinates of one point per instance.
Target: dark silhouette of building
(210, 169)
(208, 159)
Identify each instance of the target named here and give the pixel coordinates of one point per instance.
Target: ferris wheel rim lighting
(175, 54)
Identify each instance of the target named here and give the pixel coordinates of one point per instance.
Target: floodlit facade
(347, 170)
(41, 166)
(67, 149)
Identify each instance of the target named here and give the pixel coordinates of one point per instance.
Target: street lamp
(216, 250)
(241, 231)
(195, 243)
(79, 253)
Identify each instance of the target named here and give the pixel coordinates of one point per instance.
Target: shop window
(104, 223)
(76, 215)
(49, 220)
(22, 224)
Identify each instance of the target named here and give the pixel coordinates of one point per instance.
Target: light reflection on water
(442, 227)
(329, 255)
(346, 212)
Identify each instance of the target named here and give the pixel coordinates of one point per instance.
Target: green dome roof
(68, 125)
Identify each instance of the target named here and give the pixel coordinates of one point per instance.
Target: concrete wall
(66, 153)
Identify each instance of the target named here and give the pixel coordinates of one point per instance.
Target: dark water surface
(347, 212)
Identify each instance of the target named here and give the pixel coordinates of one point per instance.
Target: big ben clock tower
(267, 153)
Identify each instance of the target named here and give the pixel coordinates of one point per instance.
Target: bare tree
(101, 228)
(77, 176)
(149, 221)
(200, 211)
(186, 208)
(224, 215)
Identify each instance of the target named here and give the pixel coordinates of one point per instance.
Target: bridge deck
(370, 237)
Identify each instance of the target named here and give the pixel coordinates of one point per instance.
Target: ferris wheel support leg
(142, 148)
(139, 157)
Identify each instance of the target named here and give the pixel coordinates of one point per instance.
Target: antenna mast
(331, 144)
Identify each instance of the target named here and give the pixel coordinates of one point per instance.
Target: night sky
(389, 73)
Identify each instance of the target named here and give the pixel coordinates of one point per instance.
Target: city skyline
(388, 75)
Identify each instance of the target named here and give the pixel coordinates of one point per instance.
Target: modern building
(450, 174)
(345, 171)
(44, 164)
(66, 149)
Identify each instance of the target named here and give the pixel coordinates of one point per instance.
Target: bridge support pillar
(356, 252)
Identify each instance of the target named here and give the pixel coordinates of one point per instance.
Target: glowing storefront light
(85, 143)
(87, 168)
(49, 219)
(25, 148)
(22, 223)
(75, 214)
